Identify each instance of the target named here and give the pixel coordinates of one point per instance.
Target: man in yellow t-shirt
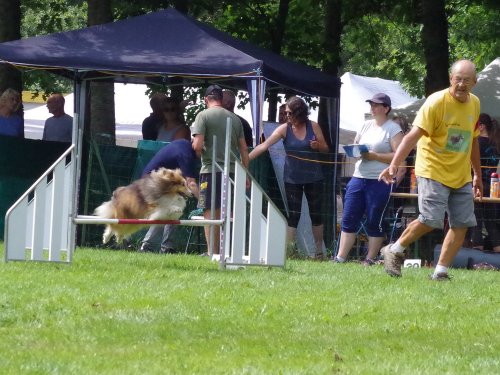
(446, 132)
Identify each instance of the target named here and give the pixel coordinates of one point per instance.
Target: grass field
(117, 312)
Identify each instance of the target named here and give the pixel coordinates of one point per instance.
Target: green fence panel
(22, 162)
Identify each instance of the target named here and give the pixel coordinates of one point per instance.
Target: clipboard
(355, 150)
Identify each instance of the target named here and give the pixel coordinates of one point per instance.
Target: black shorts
(205, 199)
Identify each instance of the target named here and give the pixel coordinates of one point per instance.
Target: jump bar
(81, 219)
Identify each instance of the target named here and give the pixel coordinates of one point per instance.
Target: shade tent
(166, 48)
(156, 47)
(162, 44)
(487, 89)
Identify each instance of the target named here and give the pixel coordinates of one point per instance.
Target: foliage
(46, 17)
(380, 38)
(385, 41)
(375, 45)
(116, 312)
(475, 32)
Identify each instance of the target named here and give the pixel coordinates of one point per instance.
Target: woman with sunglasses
(303, 140)
(173, 126)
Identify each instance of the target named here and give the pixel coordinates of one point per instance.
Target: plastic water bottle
(413, 182)
(494, 185)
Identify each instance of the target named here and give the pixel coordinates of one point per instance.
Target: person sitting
(364, 192)
(487, 214)
(228, 102)
(59, 127)
(152, 123)
(176, 154)
(11, 124)
(173, 126)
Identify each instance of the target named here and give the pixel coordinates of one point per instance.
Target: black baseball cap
(380, 98)
(214, 90)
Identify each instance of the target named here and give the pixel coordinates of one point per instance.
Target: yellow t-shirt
(444, 152)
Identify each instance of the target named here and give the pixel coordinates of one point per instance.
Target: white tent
(355, 90)
(487, 89)
(131, 107)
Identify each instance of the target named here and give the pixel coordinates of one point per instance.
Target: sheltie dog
(160, 195)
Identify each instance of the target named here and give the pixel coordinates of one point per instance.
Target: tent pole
(78, 127)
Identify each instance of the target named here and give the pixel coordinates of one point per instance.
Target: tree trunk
(331, 62)
(102, 99)
(277, 35)
(435, 43)
(10, 29)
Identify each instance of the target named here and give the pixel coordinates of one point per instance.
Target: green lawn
(117, 312)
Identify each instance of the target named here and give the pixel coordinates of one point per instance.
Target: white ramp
(38, 226)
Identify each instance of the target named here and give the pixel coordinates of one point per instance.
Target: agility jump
(41, 225)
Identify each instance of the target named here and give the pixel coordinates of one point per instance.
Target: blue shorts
(365, 196)
(435, 199)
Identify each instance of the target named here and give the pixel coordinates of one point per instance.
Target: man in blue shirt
(176, 154)
(59, 127)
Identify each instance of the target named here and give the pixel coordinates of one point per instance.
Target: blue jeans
(152, 238)
(365, 196)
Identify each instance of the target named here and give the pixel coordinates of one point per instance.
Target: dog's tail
(105, 210)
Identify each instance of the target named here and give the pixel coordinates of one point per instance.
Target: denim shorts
(365, 196)
(435, 199)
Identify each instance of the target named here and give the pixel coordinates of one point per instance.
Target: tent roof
(487, 89)
(161, 44)
(357, 89)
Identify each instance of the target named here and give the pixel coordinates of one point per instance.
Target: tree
(40, 17)
(102, 97)
(10, 29)
(435, 43)
(331, 52)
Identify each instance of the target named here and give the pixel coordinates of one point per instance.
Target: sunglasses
(288, 113)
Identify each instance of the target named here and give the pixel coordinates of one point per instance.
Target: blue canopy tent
(159, 46)
(165, 47)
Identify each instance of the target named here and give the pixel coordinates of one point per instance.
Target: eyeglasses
(465, 81)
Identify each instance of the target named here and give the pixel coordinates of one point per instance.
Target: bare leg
(291, 234)
(346, 243)
(452, 242)
(207, 215)
(413, 232)
(374, 245)
(318, 238)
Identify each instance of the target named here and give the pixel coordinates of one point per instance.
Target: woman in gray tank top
(303, 140)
